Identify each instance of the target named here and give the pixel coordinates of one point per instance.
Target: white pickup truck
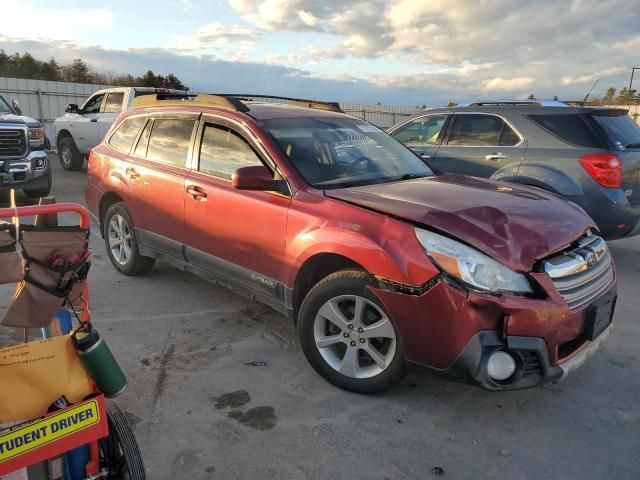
(82, 128)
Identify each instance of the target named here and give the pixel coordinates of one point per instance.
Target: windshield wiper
(633, 145)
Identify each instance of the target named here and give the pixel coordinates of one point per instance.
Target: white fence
(46, 101)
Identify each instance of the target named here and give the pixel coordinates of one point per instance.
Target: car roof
(522, 109)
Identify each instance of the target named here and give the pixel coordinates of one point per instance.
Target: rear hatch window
(573, 128)
(622, 132)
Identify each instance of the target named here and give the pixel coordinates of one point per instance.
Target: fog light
(41, 163)
(501, 365)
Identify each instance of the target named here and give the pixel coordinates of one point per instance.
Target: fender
(387, 248)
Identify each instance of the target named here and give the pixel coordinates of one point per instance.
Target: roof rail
(300, 102)
(199, 100)
(516, 103)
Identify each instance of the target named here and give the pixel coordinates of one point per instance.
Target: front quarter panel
(382, 245)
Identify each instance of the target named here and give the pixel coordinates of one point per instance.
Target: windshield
(335, 152)
(621, 130)
(4, 106)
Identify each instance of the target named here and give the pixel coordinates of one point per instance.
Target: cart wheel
(119, 452)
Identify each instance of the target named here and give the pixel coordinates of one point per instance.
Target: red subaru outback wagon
(383, 265)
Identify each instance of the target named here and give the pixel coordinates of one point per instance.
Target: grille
(583, 273)
(12, 142)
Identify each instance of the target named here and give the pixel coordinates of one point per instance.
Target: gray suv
(589, 155)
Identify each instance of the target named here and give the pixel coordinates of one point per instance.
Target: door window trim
(505, 120)
(443, 131)
(246, 135)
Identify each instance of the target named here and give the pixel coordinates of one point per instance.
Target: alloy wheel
(66, 155)
(119, 235)
(354, 336)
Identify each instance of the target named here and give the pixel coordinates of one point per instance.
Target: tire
(119, 452)
(343, 347)
(40, 192)
(121, 242)
(70, 157)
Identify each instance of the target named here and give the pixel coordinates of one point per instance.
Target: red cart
(94, 420)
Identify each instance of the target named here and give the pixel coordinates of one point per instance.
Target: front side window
(337, 152)
(124, 135)
(113, 103)
(223, 151)
(4, 106)
(421, 131)
(478, 130)
(93, 104)
(169, 141)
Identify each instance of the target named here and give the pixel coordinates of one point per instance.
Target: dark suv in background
(589, 155)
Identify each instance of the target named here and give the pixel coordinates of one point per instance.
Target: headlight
(36, 137)
(471, 266)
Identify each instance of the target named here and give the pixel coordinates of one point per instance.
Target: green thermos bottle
(98, 361)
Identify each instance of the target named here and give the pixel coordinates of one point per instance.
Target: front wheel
(69, 155)
(121, 242)
(348, 337)
(119, 452)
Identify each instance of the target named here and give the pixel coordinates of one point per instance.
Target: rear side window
(421, 131)
(113, 103)
(572, 128)
(478, 130)
(621, 130)
(122, 139)
(223, 151)
(169, 141)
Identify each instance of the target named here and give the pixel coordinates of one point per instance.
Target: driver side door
(85, 126)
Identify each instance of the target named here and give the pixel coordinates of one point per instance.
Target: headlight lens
(36, 137)
(471, 266)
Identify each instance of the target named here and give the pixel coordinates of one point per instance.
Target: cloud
(507, 84)
(232, 40)
(23, 18)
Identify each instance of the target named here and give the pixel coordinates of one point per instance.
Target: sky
(401, 52)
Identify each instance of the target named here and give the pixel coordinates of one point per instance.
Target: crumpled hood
(515, 225)
(19, 119)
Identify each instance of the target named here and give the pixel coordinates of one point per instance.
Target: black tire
(340, 284)
(119, 452)
(39, 193)
(134, 263)
(70, 157)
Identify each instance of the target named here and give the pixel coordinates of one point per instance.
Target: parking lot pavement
(218, 388)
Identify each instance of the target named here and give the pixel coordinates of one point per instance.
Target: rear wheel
(69, 155)
(119, 452)
(348, 337)
(121, 242)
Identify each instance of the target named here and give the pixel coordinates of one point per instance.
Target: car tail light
(604, 168)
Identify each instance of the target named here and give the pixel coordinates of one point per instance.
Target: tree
(77, 72)
(149, 79)
(50, 70)
(610, 96)
(623, 97)
(171, 81)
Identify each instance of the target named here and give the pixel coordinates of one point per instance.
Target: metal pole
(41, 109)
(631, 82)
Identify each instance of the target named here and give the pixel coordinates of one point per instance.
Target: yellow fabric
(33, 375)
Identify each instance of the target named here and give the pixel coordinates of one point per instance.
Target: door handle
(197, 193)
(132, 173)
(425, 156)
(497, 156)
(94, 119)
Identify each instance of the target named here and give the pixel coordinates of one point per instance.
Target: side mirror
(253, 178)
(16, 106)
(72, 108)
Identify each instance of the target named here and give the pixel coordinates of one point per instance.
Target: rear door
(239, 234)
(111, 108)
(155, 173)
(479, 144)
(423, 134)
